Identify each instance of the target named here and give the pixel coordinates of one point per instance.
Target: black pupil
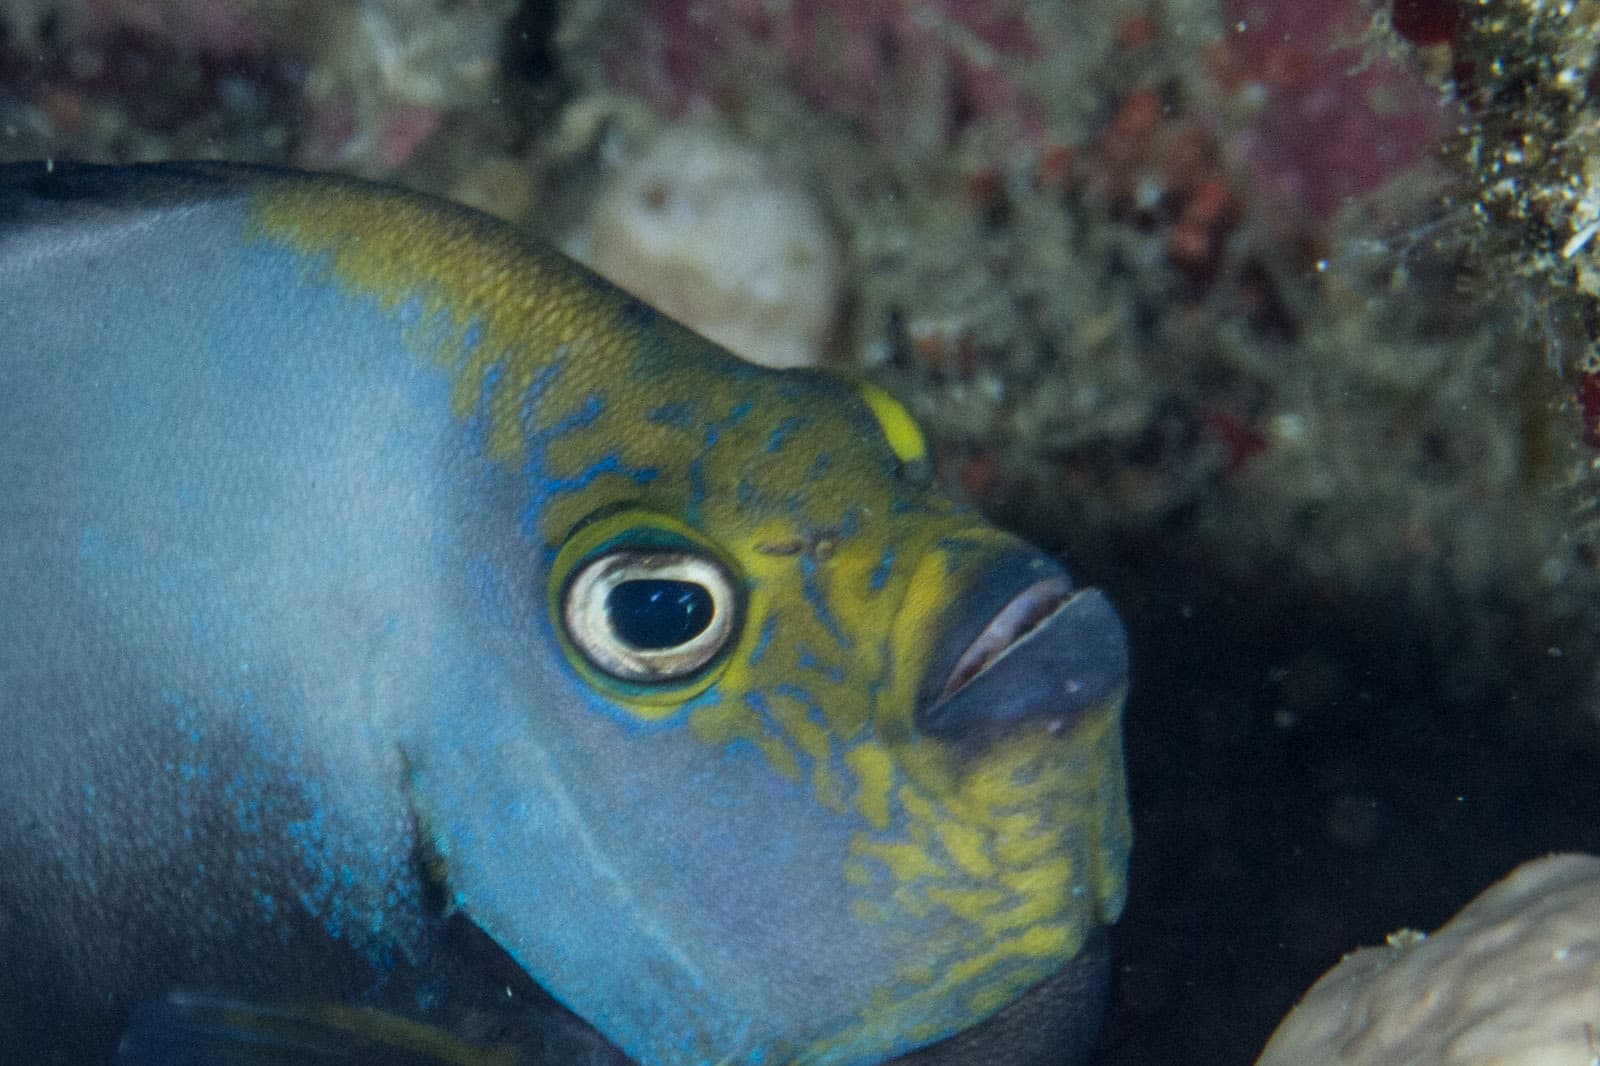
(653, 614)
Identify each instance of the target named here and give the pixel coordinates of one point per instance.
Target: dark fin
(146, 183)
(53, 203)
(195, 1030)
(53, 193)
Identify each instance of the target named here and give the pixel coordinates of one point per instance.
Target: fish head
(860, 780)
(761, 748)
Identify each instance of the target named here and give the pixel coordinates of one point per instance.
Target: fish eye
(643, 615)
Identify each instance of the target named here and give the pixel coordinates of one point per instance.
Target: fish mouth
(1022, 645)
(1018, 621)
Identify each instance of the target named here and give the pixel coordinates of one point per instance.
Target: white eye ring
(586, 611)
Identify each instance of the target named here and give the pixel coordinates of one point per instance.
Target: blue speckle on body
(881, 573)
(806, 659)
(610, 463)
(818, 601)
(682, 415)
(784, 430)
(769, 629)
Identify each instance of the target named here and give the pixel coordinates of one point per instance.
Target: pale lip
(1048, 654)
(1019, 620)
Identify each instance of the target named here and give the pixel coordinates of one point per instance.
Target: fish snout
(1022, 646)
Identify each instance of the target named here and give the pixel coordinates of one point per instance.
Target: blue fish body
(369, 570)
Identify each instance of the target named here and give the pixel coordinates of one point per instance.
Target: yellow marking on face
(1037, 942)
(971, 904)
(869, 912)
(906, 862)
(961, 841)
(794, 716)
(899, 428)
(874, 772)
(1039, 887)
(1024, 846)
(382, 243)
(1027, 914)
(724, 722)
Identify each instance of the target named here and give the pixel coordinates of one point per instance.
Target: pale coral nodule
(1512, 980)
(723, 239)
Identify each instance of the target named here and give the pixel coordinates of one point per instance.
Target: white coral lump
(723, 239)
(1512, 980)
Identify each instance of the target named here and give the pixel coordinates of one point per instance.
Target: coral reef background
(1278, 319)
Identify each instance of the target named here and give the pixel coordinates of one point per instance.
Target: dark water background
(1274, 834)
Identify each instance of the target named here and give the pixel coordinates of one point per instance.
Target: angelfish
(369, 572)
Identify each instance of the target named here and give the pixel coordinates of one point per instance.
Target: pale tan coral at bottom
(1512, 980)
